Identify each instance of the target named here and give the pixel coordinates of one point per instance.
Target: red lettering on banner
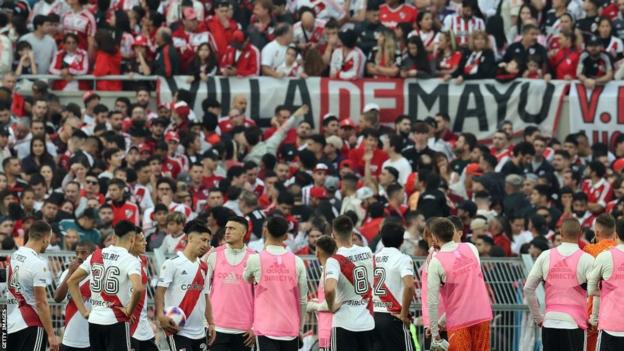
(620, 105)
(588, 108)
(348, 98)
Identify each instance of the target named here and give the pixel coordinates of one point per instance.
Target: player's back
(27, 270)
(390, 266)
(353, 270)
(110, 284)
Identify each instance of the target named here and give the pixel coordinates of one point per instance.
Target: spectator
(261, 25)
(588, 24)
(464, 23)
(527, 46)
(385, 59)
(42, 44)
(139, 61)
(595, 66)
(611, 44)
(241, 59)
(308, 32)
(394, 12)
(6, 56)
(84, 226)
(291, 67)
(564, 60)
(69, 62)
(221, 26)
(347, 62)
(274, 53)
(26, 63)
(566, 24)
(167, 62)
(478, 61)
(204, 63)
(80, 21)
(446, 56)
(107, 61)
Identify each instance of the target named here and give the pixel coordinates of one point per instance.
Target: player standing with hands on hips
(280, 291)
(29, 324)
(564, 270)
(114, 271)
(231, 296)
(183, 283)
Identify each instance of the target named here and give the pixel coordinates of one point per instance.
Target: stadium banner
(599, 111)
(475, 106)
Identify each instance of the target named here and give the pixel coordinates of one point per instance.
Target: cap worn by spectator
(140, 41)
(364, 193)
(332, 183)
(318, 192)
(89, 213)
(514, 180)
(371, 107)
(334, 141)
(347, 123)
(89, 95)
(321, 167)
(594, 41)
(172, 136)
(348, 36)
(328, 117)
(478, 224)
(182, 109)
(346, 164)
(474, 170)
(618, 165)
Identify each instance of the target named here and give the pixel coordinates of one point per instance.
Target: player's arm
(43, 311)
(408, 295)
(212, 334)
(595, 275)
(61, 291)
(74, 290)
(165, 279)
(332, 273)
(536, 276)
(252, 269)
(435, 278)
(137, 289)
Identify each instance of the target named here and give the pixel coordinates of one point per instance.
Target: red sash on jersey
(28, 312)
(113, 300)
(71, 309)
(193, 295)
(136, 314)
(346, 268)
(392, 304)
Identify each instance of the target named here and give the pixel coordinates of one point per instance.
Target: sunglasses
(92, 182)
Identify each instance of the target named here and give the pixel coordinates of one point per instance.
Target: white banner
(475, 106)
(599, 111)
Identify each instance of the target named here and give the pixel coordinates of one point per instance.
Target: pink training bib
(563, 292)
(324, 319)
(276, 304)
(611, 317)
(423, 293)
(231, 295)
(464, 293)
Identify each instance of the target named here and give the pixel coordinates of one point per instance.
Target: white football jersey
(76, 332)
(352, 268)
(391, 266)
(27, 270)
(110, 285)
(187, 288)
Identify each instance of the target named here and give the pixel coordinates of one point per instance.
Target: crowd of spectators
(459, 40)
(84, 168)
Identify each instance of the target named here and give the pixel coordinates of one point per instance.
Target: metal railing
(504, 277)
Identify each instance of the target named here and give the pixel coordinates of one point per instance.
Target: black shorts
(391, 334)
(264, 343)
(608, 342)
(178, 342)
(346, 340)
(229, 342)
(29, 339)
(143, 345)
(563, 339)
(114, 337)
(69, 348)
